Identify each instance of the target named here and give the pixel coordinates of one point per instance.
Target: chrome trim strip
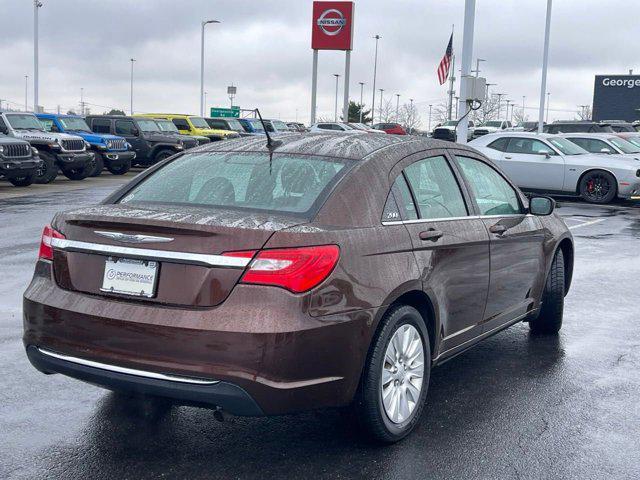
(459, 332)
(128, 371)
(446, 219)
(166, 255)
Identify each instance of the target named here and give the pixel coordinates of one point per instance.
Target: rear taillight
(46, 250)
(296, 269)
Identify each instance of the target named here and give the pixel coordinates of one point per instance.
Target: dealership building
(616, 97)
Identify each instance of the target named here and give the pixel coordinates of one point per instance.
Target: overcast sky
(263, 47)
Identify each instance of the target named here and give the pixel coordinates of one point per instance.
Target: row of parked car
(34, 148)
(352, 127)
(447, 131)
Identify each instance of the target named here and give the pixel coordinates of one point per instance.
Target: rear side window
(399, 204)
(101, 125)
(499, 144)
(493, 193)
(435, 189)
(219, 124)
(592, 145)
(288, 184)
(125, 127)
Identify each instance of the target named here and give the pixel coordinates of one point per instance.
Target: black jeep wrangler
(19, 161)
(145, 136)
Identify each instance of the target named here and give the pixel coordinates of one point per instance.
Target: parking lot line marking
(585, 224)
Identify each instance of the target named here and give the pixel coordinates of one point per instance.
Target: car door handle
(508, 158)
(498, 229)
(432, 234)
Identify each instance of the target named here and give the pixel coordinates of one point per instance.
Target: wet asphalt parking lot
(516, 406)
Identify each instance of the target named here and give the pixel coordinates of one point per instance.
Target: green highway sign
(225, 112)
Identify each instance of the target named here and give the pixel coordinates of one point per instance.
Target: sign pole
(347, 69)
(314, 86)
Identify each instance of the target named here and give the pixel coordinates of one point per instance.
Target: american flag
(445, 63)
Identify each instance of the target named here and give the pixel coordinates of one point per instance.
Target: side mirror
(605, 150)
(546, 153)
(541, 206)
(135, 131)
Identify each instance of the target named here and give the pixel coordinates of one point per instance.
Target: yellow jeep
(192, 125)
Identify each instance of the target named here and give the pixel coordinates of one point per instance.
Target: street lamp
(375, 67)
(361, 91)
(335, 112)
(429, 127)
(204, 23)
(36, 5)
(477, 70)
(205, 99)
(499, 95)
(380, 109)
(397, 106)
(132, 60)
(547, 116)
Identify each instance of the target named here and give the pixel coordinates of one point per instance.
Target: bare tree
(386, 112)
(409, 117)
(487, 111)
(584, 113)
(520, 116)
(439, 114)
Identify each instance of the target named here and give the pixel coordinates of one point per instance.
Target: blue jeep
(111, 151)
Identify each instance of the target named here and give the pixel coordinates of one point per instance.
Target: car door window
(399, 205)
(435, 189)
(125, 127)
(47, 124)
(493, 194)
(528, 146)
(99, 125)
(181, 123)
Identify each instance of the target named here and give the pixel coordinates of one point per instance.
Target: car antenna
(271, 144)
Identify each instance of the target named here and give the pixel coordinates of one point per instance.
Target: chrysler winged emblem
(127, 238)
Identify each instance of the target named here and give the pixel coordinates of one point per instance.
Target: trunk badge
(127, 238)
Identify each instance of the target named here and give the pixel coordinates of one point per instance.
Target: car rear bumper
(266, 346)
(185, 390)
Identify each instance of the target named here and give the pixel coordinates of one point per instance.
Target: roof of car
(519, 134)
(589, 134)
(355, 147)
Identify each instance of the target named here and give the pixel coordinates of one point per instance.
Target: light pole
(499, 95)
(361, 106)
(26, 92)
(380, 109)
(335, 112)
(523, 97)
(36, 5)
(545, 64)
(204, 23)
(205, 99)
(132, 60)
(462, 128)
(547, 116)
(375, 68)
(507, 115)
(456, 99)
(397, 107)
(429, 127)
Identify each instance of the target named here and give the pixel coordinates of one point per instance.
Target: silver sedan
(551, 163)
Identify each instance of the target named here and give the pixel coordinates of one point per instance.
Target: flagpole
(452, 77)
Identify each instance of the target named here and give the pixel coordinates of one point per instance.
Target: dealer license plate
(130, 277)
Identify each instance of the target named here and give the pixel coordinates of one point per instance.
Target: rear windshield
(289, 184)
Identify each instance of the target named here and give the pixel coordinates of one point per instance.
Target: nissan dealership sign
(332, 26)
(616, 97)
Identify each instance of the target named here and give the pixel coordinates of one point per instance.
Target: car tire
(98, 165)
(78, 173)
(549, 320)
(162, 155)
(376, 417)
(23, 181)
(598, 186)
(121, 168)
(48, 171)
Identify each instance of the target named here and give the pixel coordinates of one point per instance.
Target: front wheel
(79, 173)
(394, 384)
(598, 186)
(23, 181)
(549, 320)
(48, 169)
(97, 165)
(162, 155)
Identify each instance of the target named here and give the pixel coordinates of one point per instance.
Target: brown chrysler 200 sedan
(337, 271)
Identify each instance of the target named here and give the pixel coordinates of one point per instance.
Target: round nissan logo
(331, 21)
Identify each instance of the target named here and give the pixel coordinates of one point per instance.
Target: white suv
(334, 127)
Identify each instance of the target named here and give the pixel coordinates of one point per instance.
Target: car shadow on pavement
(492, 382)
